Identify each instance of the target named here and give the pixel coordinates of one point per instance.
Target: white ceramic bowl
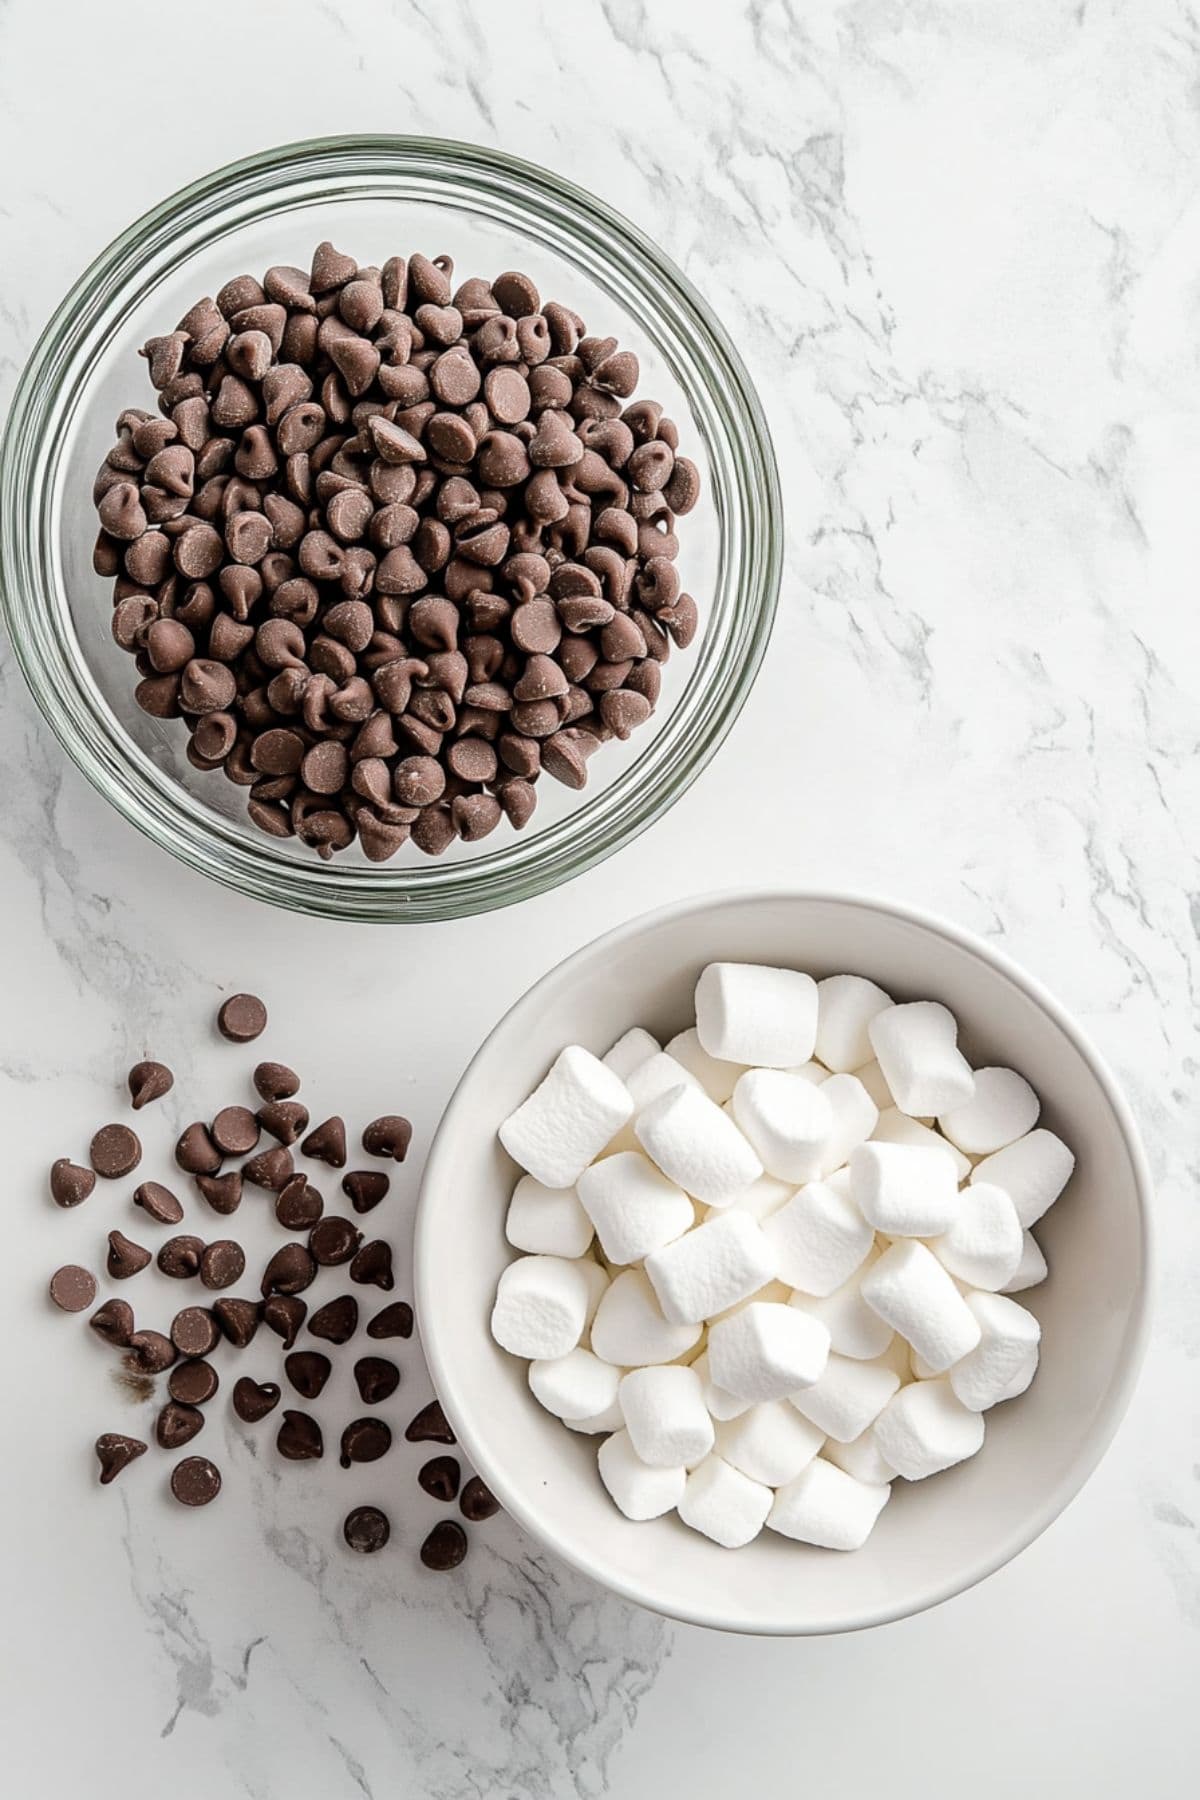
(935, 1538)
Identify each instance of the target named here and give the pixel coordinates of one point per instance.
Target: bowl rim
(457, 1116)
(608, 249)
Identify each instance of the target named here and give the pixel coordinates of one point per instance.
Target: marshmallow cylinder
(925, 1428)
(846, 1004)
(819, 1238)
(575, 1386)
(638, 1490)
(568, 1119)
(601, 1423)
(1033, 1173)
(720, 1405)
(767, 1351)
(827, 1507)
(1003, 1108)
(762, 1197)
(717, 1078)
(697, 1145)
(541, 1307)
(860, 1458)
(596, 1280)
(902, 1190)
(1004, 1361)
(984, 1243)
(629, 1051)
(633, 1206)
(706, 1270)
(854, 1328)
(787, 1119)
(916, 1046)
(871, 1077)
(629, 1328)
(895, 1127)
(854, 1118)
(723, 1504)
(909, 1288)
(765, 1018)
(769, 1442)
(847, 1398)
(665, 1416)
(1031, 1270)
(547, 1221)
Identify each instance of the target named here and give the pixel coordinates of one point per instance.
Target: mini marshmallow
(819, 1238)
(861, 1458)
(547, 1221)
(629, 1328)
(846, 1004)
(916, 1046)
(895, 1127)
(723, 1504)
(601, 1423)
(638, 1490)
(1003, 1108)
(897, 1358)
(984, 1243)
(787, 1119)
(855, 1116)
(871, 1076)
(765, 1018)
(575, 1386)
(1004, 1361)
(1031, 1270)
(568, 1119)
(826, 1506)
(721, 1406)
(761, 1198)
(848, 1397)
(911, 1290)
(771, 1290)
(769, 1442)
(1033, 1172)
(812, 1071)
(633, 1206)
(665, 1416)
(657, 1075)
(767, 1351)
(717, 1078)
(598, 1280)
(925, 1428)
(854, 1328)
(708, 1269)
(903, 1190)
(630, 1051)
(541, 1307)
(697, 1145)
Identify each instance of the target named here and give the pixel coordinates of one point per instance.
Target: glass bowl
(376, 196)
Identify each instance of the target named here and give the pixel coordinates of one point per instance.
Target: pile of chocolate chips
(183, 1351)
(392, 548)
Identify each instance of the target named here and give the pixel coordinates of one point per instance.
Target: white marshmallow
(695, 1144)
(895, 1127)
(766, 1351)
(925, 1429)
(787, 1119)
(723, 1504)
(1004, 1361)
(812, 1071)
(770, 1290)
(855, 1116)
(541, 1307)
(629, 1328)
(597, 1280)
(819, 1238)
(761, 1198)
(897, 1358)
(568, 1119)
(871, 1076)
(658, 1074)
(846, 1004)
(1003, 1108)
(984, 1243)
(903, 1190)
(601, 1423)
(575, 1386)
(765, 1018)
(1031, 1270)
(769, 1442)
(721, 1406)
(861, 1458)
(1033, 1172)
(665, 1416)
(916, 1046)
(826, 1506)
(547, 1221)
(638, 1490)
(717, 1078)
(848, 1398)
(854, 1328)
(911, 1290)
(630, 1051)
(632, 1205)
(708, 1269)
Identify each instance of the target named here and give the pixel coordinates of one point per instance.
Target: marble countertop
(961, 247)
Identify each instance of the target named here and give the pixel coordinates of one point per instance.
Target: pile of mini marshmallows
(769, 1264)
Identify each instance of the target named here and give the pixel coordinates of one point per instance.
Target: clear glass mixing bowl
(375, 196)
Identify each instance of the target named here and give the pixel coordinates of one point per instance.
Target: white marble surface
(961, 243)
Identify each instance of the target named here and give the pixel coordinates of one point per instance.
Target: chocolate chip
(440, 1477)
(289, 1271)
(333, 1240)
(275, 1081)
(366, 1529)
(113, 1322)
(253, 1400)
(372, 1265)
(271, 1169)
(114, 1151)
(149, 1352)
(70, 1184)
(477, 1501)
(180, 1257)
(177, 1425)
(125, 1258)
(388, 1136)
(222, 1263)
(365, 1440)
(445, 1547)
(337, 1320)
(158, 1202)
(299, 1438)
(365, 1188)
(195, 1152)
(284, 1119)
(234, 1131)
(149, 1081)
(193, 1383)
(327, 1143)
(298, 1205)
(430, 1427)
(195, 1481)
(223, 1192)
(284, 1314)
(194, 1331)
(72, 1289)
(237, 1318)
(115, 1452)
(242, 1018)
(395, 1320)
(308, 1371)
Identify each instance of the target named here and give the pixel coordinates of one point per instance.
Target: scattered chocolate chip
(284, 1119)
(332, 1241)
(149, 1353)
(327, 1143)
(365, 1440)
(372, 1265)
(376, 1379)
(193, 1383)
(289, 1271)
(298, 1205)
(366, 1529)
(113, 1322)
(430, 1427)
(125, 1258)
(477, 1501)
(177, 1425)
(114, 1151)
(308, 1371)
(195, 1152)
(115, 1452)
(284, 1314)
(158, 1203)
(194, 1331)
(388, 1136)
(223, 1192)
(180, 1257)
(440, 1477)
(275, 1081)
(237, 1318)
(299, 1438)
(235, 1130)
(242, 1018)
(395, 1320)
(445, 1546)
(72, 1289)
(195, 1481)
(149, 1081)
(365, 1188)
(271, 1169)
(337, 1320)
(70, 1185)
(222, 1263)
(253, 1400)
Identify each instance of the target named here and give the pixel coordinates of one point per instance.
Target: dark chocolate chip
(372, 1265)
(366, 1529)
(388, 1136)
(180, 1257)
(194, 1331)
(113, 1322)
(445, 1546)
(158, 1203)
(69, 1183)
(193, 1383)
(299, 1437)
(125, 1258)
(430, 1427)
(271, 1169)
(377, 1379)
(333, 1240)
(195, 1481)
(253, 1400)
(275, 1081)
(477, 1501)
(237, 1318)
(115, 1452)
(149, 1353)
(242, 1018)
(235, 1130)
(149, 1081)
(177, 1425)
(223, 1192)
(114, 1151)
(195, 1152)
(284, 1314)
(440, 1477)
(298, 1205)
(284, 1119)
(365, 1440)
(337, 1320)
(308, 1371)
(222, 1263)
(72, 1289)
(327, 1143)
(289, 1271)
(365, 1188)
(395, 1320)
